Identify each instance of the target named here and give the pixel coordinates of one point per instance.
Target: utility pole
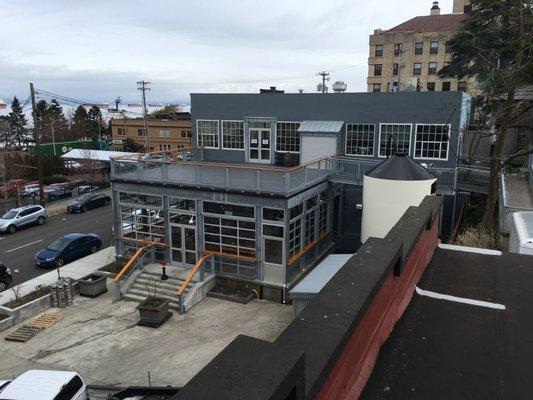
(143, 87)
(37, 140)
(325, 77)
(118, 100)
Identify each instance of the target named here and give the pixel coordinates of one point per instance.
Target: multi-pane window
(461, 86)
(142, 217)
(377, 69)
(432, 68)
(401, 136)
(433, 47)
(417, 68)
(234, 210)
(446, 86)
(141, 132)
(232, 135)
(447, 47)
(379, 50)
(229, 236)
(395, 68)
(207, 132)
(323, 214)
(121, 131)
(360, 139)
(295, 237)
(432, 141)
(419, 47)
(376, 87)
(165, 133)
(287, 137)
(164, 146)
(431, 86)
(185, 133)
(398, 48)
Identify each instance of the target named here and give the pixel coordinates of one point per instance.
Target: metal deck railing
(272, 180)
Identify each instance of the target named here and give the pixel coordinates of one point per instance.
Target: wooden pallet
(32, 328)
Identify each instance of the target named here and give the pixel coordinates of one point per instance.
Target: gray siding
(370, 108)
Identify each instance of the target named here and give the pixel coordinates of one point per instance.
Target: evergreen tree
(132, 146)
(495, 45)
(57, 118)
(80, 123)
(5, 131)
(96, 121)
(18, 123)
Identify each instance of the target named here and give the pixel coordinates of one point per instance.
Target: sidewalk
(60, 206)
(75, 270)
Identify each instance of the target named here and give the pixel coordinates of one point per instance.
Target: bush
(474, 236)
(47, 180)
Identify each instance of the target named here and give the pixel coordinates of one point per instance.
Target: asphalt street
(18, 250)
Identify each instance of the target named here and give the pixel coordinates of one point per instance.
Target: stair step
(172, 298)
(151, 277)
(160, 291)
(161, 284)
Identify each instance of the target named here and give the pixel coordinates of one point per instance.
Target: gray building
(272, 183)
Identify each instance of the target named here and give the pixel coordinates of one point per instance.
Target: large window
(402, 134)
(432, 141)
(432, 68)
(417, 68)
(287, 137)
(233, 135)
(207, 132)
(360, 139)
(377, 69)
(433, 47)
(379, 50)
(419, 47)
(233, 210)
(310, 220)
(395, 68)
(229, 236)
(398, 49)
(323, 214)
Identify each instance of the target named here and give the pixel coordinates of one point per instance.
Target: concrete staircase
(150, 277)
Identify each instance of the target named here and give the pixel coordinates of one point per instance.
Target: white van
(45, 385)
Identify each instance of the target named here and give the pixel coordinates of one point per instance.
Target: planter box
(151, 315)
(229, 297)
(92, 285)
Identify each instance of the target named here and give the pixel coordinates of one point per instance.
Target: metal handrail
(133, 260)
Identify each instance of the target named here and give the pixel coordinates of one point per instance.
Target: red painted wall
(351, 372)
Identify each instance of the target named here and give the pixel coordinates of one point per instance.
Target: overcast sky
(97, 50)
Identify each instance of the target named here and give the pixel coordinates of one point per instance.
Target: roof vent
(271, 90)
(435, 10)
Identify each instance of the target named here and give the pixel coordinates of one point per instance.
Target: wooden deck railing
(133, 260)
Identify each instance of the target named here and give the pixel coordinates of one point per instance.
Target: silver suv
(22, 216)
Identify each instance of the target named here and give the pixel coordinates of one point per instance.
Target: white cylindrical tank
(388, 190)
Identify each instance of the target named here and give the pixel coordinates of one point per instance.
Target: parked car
(30, 190)
(5, 277)
(87, 201)
(72, 164)
(68, 248)
(44, 385)
(84, 189)
(22, 216)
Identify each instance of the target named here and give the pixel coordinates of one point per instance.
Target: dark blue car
(68, 248)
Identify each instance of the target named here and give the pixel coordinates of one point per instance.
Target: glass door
(260, 142)
(183, 244)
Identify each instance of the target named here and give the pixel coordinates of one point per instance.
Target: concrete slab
(99, 339)
(519, 191)
(75, 270)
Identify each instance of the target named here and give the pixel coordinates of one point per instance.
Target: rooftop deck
(274, 180)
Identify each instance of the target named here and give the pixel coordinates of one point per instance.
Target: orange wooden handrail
(229, 255)
(308, 247)
(140, 241)
(132, 260)
(193, 272)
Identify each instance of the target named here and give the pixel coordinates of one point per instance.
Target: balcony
(246, 178)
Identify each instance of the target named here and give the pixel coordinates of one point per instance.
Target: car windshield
(10, 215)
(84, 197)
(58, 244)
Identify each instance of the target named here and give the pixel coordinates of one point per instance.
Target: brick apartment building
(172, 132)
(409, 55)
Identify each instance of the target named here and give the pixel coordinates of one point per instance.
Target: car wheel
(41, 220)
(60, 262)
(84, 208)
(11, 228)
(3, 286)
(94, 249)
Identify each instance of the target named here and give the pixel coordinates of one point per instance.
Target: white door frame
(261, 146)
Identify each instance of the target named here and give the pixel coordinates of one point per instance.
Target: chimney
(435, 10)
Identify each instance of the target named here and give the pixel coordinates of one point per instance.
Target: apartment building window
(379, 50)
(431, 141)
(163, 146)
(376, 87)
(233, 135)
(447, 48)
(432, 68)
(446, 86)
(207, 131)
(185, 133)
(433, 47)
(377, 69)
(417, 68)
(461, 86)
(310, 221)
(419, 48)
(360, 139)
(395, 69)
(287, 137)
(398, 49)
(431, 86)
(402, 134)
(121, 131)
(141, 132)
(164, 133)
